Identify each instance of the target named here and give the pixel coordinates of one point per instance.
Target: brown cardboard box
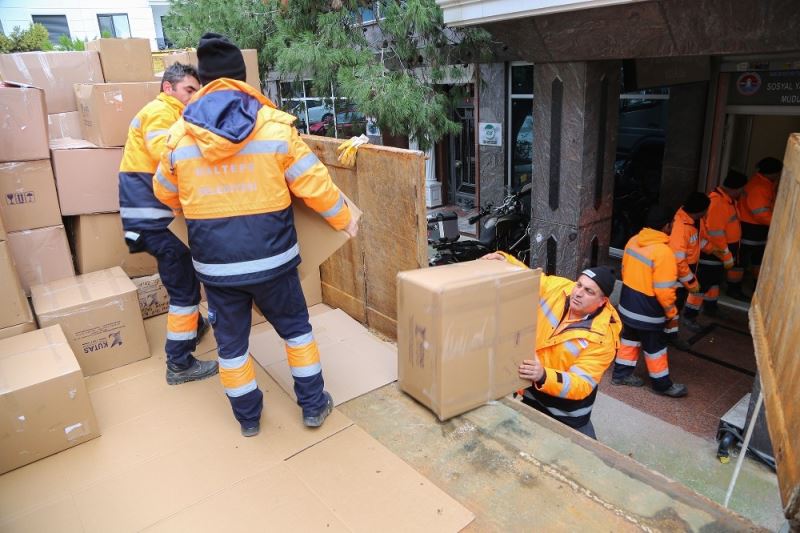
(23, 123)
(28, 198)
(14, 308)
(55, 72)
(44, 404)
(41, 255)
(107, 109)
(87, 177)
(2, 229)
(189, 57)
(153, 297)
(99, 313)
(19, 329)
(462, 331)
(61, 125)
(99, 243)
(124, 59)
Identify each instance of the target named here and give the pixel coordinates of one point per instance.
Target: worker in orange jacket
(755, 207)
(231, 165)
(145, 220)
(577, 335)
(720, 232)
(685, 242)
(647, 305)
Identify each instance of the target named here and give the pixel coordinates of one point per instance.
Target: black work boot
(251, 429)
(631, 381)
(692, 324)
(197, 370)
(317, 420)
(679, 343)
(736, 292)
(676, 390)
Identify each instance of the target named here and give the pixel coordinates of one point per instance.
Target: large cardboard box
(28, 198)
(41, 255)
(19, 329)
(99, 313)
(107, 109)
(14, 308)
(462, 331)
(44, 404)
(189, 57)
(100, 243)
(2, 228)
(60, 125)
(124, 59)
(55, 72)
(87, 177)
(23, 123)
(153, 296)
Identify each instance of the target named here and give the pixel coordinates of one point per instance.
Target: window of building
(114, 25)
(56, 26)
(520, 112)
(319, 111)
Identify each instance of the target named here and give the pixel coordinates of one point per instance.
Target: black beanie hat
(769, 165)
(217, 57)
(697, 202)
(603, 276)
(657, 217)
(735, 180)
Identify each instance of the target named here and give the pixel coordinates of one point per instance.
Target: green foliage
(31, 39)
(66, 44)
(105, 34)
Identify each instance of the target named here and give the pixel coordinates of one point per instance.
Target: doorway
(462, 184)
(752, 137)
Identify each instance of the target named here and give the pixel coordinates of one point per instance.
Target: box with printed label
(107, 109)
(55, 73)
(87, 177)
(64, 125)
(462, 331)
(153, 296)
(124, 59)
(14, 309)
(23, 123)
(41, 255)
(28, 198)
(99, 243)
(44, 404)
(99, 313)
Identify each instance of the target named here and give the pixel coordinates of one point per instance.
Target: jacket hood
(223, 116)
(649, 236)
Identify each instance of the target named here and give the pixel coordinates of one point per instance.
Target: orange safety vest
(685, 242)
(757, 201)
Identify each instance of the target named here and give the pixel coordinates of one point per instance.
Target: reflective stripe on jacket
(722, 223)
(147, 136)
(757, 201)
(685, 242)
(230, 165)
(649, 276)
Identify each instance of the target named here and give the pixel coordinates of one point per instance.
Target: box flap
(64, 294)
(35, 357)
(70, 144)
(447, 277)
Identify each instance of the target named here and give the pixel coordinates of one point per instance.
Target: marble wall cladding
(580, 161)
(492, 108)
(567, 250)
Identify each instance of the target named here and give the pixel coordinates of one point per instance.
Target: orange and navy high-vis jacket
(231, 165)
(147, 137)
(720, 226)
(685, 242)
(574, 353)
(649, 278)
(757, 201)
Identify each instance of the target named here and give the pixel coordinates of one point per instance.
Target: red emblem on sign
(748, 83)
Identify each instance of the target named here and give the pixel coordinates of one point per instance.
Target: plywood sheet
(775, 325)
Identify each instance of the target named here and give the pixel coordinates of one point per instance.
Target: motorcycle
(506, 228)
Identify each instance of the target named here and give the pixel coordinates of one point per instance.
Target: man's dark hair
(176, 72)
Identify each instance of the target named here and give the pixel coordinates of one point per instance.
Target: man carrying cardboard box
(145, 221)
(577, 335)
(231, 165)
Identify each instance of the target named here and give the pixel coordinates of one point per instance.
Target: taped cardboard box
(124, 59)
(19, 329)
(2, 228)
(462, 331)
(44, 404)
(153, 296)
(55, 72)
(99, 243)
(107, 109)
(23, 123)
(64, 125)
(14, 308)
(41, 255)
(189, 57)
(87, 177)
(28, 198)
(99, 313)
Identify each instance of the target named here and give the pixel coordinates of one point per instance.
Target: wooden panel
(388, 185)
(775, 325)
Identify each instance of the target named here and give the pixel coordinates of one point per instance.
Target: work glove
(347, 150)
